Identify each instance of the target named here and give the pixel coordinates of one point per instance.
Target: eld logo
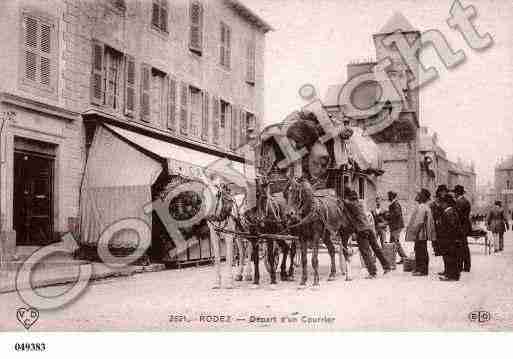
(480, 316)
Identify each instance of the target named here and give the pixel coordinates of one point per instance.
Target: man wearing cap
(395, 223)
(463, 207)
(364, 233)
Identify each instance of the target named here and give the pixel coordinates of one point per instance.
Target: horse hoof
(231, 286)
(249, 278)
(331, 278)
(255, 286)
(216, 286)
(349, 279)
(273, 286)
(302, 286)
(238, 278)
(290, 278)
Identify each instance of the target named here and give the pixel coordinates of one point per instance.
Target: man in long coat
(421, 229)
(451, 234)
(463, 207)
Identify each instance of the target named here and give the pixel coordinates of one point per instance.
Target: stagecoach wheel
(276, 259)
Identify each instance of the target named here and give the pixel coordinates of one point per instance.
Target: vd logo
(27, 317)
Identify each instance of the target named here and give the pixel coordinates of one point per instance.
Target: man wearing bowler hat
(463, 207)
(436, 211)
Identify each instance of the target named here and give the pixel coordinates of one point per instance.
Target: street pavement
(183, 300)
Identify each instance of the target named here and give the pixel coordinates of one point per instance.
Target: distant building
(504, 183)
(437, 169)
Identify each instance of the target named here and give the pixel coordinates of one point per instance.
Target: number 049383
(30, 347)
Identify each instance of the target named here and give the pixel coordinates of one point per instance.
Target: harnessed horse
(318, 217)
(269, 217)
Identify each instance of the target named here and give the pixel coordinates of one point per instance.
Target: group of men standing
(445, 221)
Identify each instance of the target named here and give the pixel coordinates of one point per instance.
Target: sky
(469, 106)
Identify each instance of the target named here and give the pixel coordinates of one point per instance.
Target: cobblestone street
(395, 302)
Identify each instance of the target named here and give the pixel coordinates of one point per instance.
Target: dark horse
(315, 217)
(268, 217)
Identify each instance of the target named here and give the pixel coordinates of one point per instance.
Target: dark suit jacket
(395, 216)
(463, 208)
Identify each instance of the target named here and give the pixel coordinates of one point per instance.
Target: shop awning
(117, 185)
(189, 162)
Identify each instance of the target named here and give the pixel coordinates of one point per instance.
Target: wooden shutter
(163, 15)
(145, 92)
(215, 119)
(205, 114)
(250, 62)
(171, 122)
(46, 52)
(221, 47)
(234, 122)
(242, 127)
(184, 104)
(31, 48)
(155, 13)
(97, 76)
(129, 85)
(227, 55)
(196, 26)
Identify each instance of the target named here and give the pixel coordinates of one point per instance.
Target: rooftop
(506, 164)
(251, 16)
(397, 22)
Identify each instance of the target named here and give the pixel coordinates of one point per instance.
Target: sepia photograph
(255, 166)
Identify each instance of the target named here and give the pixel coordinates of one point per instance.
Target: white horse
(224, 221)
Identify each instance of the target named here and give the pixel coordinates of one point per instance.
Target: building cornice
(37, 106)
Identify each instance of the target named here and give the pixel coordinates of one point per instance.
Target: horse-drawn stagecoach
(298, 201)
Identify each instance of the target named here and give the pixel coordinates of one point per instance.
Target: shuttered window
(234, 127)
(145, 92)
(206, 113)
(39, 57)
(184, 103)
(159, 14)
(196, 27)
(242, 128)
(171, 122)
(130, 91)
(250, 62)
(215, 119)
(112, 61)
(97, 75)
(225, 46)
(196, 111)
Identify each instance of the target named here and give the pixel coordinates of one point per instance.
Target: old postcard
(255, 165)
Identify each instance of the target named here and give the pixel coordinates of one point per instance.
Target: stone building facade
(188, 72)
(395, 127)
(412, 157)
